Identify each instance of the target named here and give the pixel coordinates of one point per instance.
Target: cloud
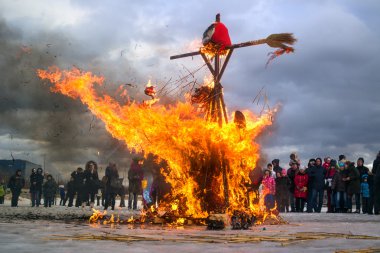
(328, 89)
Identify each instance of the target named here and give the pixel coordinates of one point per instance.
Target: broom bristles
(286, 38)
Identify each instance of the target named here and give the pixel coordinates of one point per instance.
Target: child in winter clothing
(300, 191)
(62, 194)
(49, 189)
(365, 193)
(282, 191)
(3, 191)
(269, 190)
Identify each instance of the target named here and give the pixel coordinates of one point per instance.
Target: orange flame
(173, 133)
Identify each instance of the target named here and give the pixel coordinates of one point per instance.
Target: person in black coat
(40, 181)
(70, 192)
(353, 187)
(36, 180)
(92, 182)
(276, 166)
(282, 191)
(310, 187)
(16, 183)
(33, 188)
(376, 183)
(112, 185)
(317, 176)
(79, 183)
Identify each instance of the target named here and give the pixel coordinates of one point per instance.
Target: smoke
(48, 124)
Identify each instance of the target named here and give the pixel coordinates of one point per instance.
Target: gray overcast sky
(328, 90)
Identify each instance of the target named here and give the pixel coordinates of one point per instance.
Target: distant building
(9, 168)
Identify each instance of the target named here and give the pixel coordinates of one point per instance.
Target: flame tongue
(177, 134)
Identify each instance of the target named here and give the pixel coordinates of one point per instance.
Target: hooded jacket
(317, 176)
(353, 186)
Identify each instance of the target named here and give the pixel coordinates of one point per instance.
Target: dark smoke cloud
(57, 126)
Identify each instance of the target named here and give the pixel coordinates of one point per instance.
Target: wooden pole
(240, 45)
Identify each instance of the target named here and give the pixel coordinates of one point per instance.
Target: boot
(357, 211)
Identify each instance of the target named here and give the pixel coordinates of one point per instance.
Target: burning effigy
(209, 154)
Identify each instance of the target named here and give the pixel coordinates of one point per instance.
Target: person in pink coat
(269, 190)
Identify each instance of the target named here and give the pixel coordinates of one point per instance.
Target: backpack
(2, 190)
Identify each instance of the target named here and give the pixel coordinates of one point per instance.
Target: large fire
(180, 135)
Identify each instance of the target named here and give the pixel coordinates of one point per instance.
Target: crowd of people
(84, 187)
(296, 189)
(304, 188)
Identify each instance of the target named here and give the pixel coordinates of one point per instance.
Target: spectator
(294, 159)
(135, 177)
(300, 190)
(34, 189)
(330, 172)
(79, 184)
(49, 189)
(16, 183)
(62, 194)
(92, 182)
(270, 168)
(338, 186)
(363, 170)
(40, 181)
(70, 194)
(376, 183)
(353, 186)
(269, 190)
(341, 161)
(112, 185)
(371, 182)
(310, 187)
(317, 176)
(276, 166)
(292, 172)
(364, 190)
(282, 191)
(3, 191)
(326, 163)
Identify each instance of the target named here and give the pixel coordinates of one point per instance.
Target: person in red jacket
(300, 192)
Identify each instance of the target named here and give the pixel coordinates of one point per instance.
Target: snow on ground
(32, 235)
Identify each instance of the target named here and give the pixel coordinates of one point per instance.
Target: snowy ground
(304, 233)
